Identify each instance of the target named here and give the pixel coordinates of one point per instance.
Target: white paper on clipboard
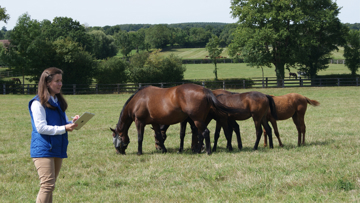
(83, 119)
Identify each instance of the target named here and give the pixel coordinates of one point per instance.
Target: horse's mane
(141, 88)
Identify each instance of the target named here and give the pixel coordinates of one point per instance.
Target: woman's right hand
(70, 127)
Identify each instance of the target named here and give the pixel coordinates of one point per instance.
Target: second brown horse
(253, 104)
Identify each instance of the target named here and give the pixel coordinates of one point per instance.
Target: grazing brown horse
(167, 106)
(290, 105)
(253, 104)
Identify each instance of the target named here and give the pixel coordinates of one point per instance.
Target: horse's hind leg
(236, 128)
(216, 135)
(194, 136)
(140, 128)
(276, 130)
(258, 132)
(268, 131)
(159, 137)
(300, 126)
(182, 135)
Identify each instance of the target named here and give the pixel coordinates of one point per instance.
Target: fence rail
(76, 89)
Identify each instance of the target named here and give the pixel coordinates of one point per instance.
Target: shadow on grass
(188, 151)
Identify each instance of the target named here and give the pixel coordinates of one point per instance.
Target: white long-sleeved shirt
(39, 116)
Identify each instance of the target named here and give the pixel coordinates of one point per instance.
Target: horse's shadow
(189, 151)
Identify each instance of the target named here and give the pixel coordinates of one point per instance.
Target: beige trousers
(48, 170)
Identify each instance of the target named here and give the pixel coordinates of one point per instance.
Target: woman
(50, 125)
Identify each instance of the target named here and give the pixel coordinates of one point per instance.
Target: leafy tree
(158, 36)
(198, 37)
(322, 33)
(150, 68)
(112, 30)
(3, 15)
(103, 46)
(273, 32)
(352, 51)
(111, 71)
(214, 51)
(67, 27)
(138, 40)
(77, 64)
(124, 42)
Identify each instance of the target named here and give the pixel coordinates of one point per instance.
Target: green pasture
(242, 70)
(326, 169)
(201, 53)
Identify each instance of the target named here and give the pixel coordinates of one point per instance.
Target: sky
(115, 12)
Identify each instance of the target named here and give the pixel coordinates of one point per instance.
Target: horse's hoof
(139, 153)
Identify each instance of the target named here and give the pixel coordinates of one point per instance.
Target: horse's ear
(112, 130)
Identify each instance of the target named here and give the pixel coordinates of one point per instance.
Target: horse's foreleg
(159, 137)
(140, 129)
(163, 129)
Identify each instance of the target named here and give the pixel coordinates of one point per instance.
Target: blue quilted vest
(49, 145)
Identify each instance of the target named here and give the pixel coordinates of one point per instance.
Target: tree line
(299, 34)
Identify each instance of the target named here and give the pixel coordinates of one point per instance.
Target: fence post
(162, 85)
(338, 81)
(4, 87)
(118, 88)
(28, 89)
(267, 81)
(203, 83)
(97, 88)
(74, 89)
(244, 84)
(301, 82)
(283, 82)
(139, 85)
(320, 82)
(357, 81)
(224, 84)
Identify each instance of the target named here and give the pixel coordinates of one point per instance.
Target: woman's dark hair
(43, 91)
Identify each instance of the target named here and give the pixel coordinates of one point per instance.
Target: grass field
(242, 70)
(326, 169)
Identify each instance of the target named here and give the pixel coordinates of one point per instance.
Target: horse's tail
(312, 102)
(217, 106)
(272, 107)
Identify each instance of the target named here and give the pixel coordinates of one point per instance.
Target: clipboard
(83, 119)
